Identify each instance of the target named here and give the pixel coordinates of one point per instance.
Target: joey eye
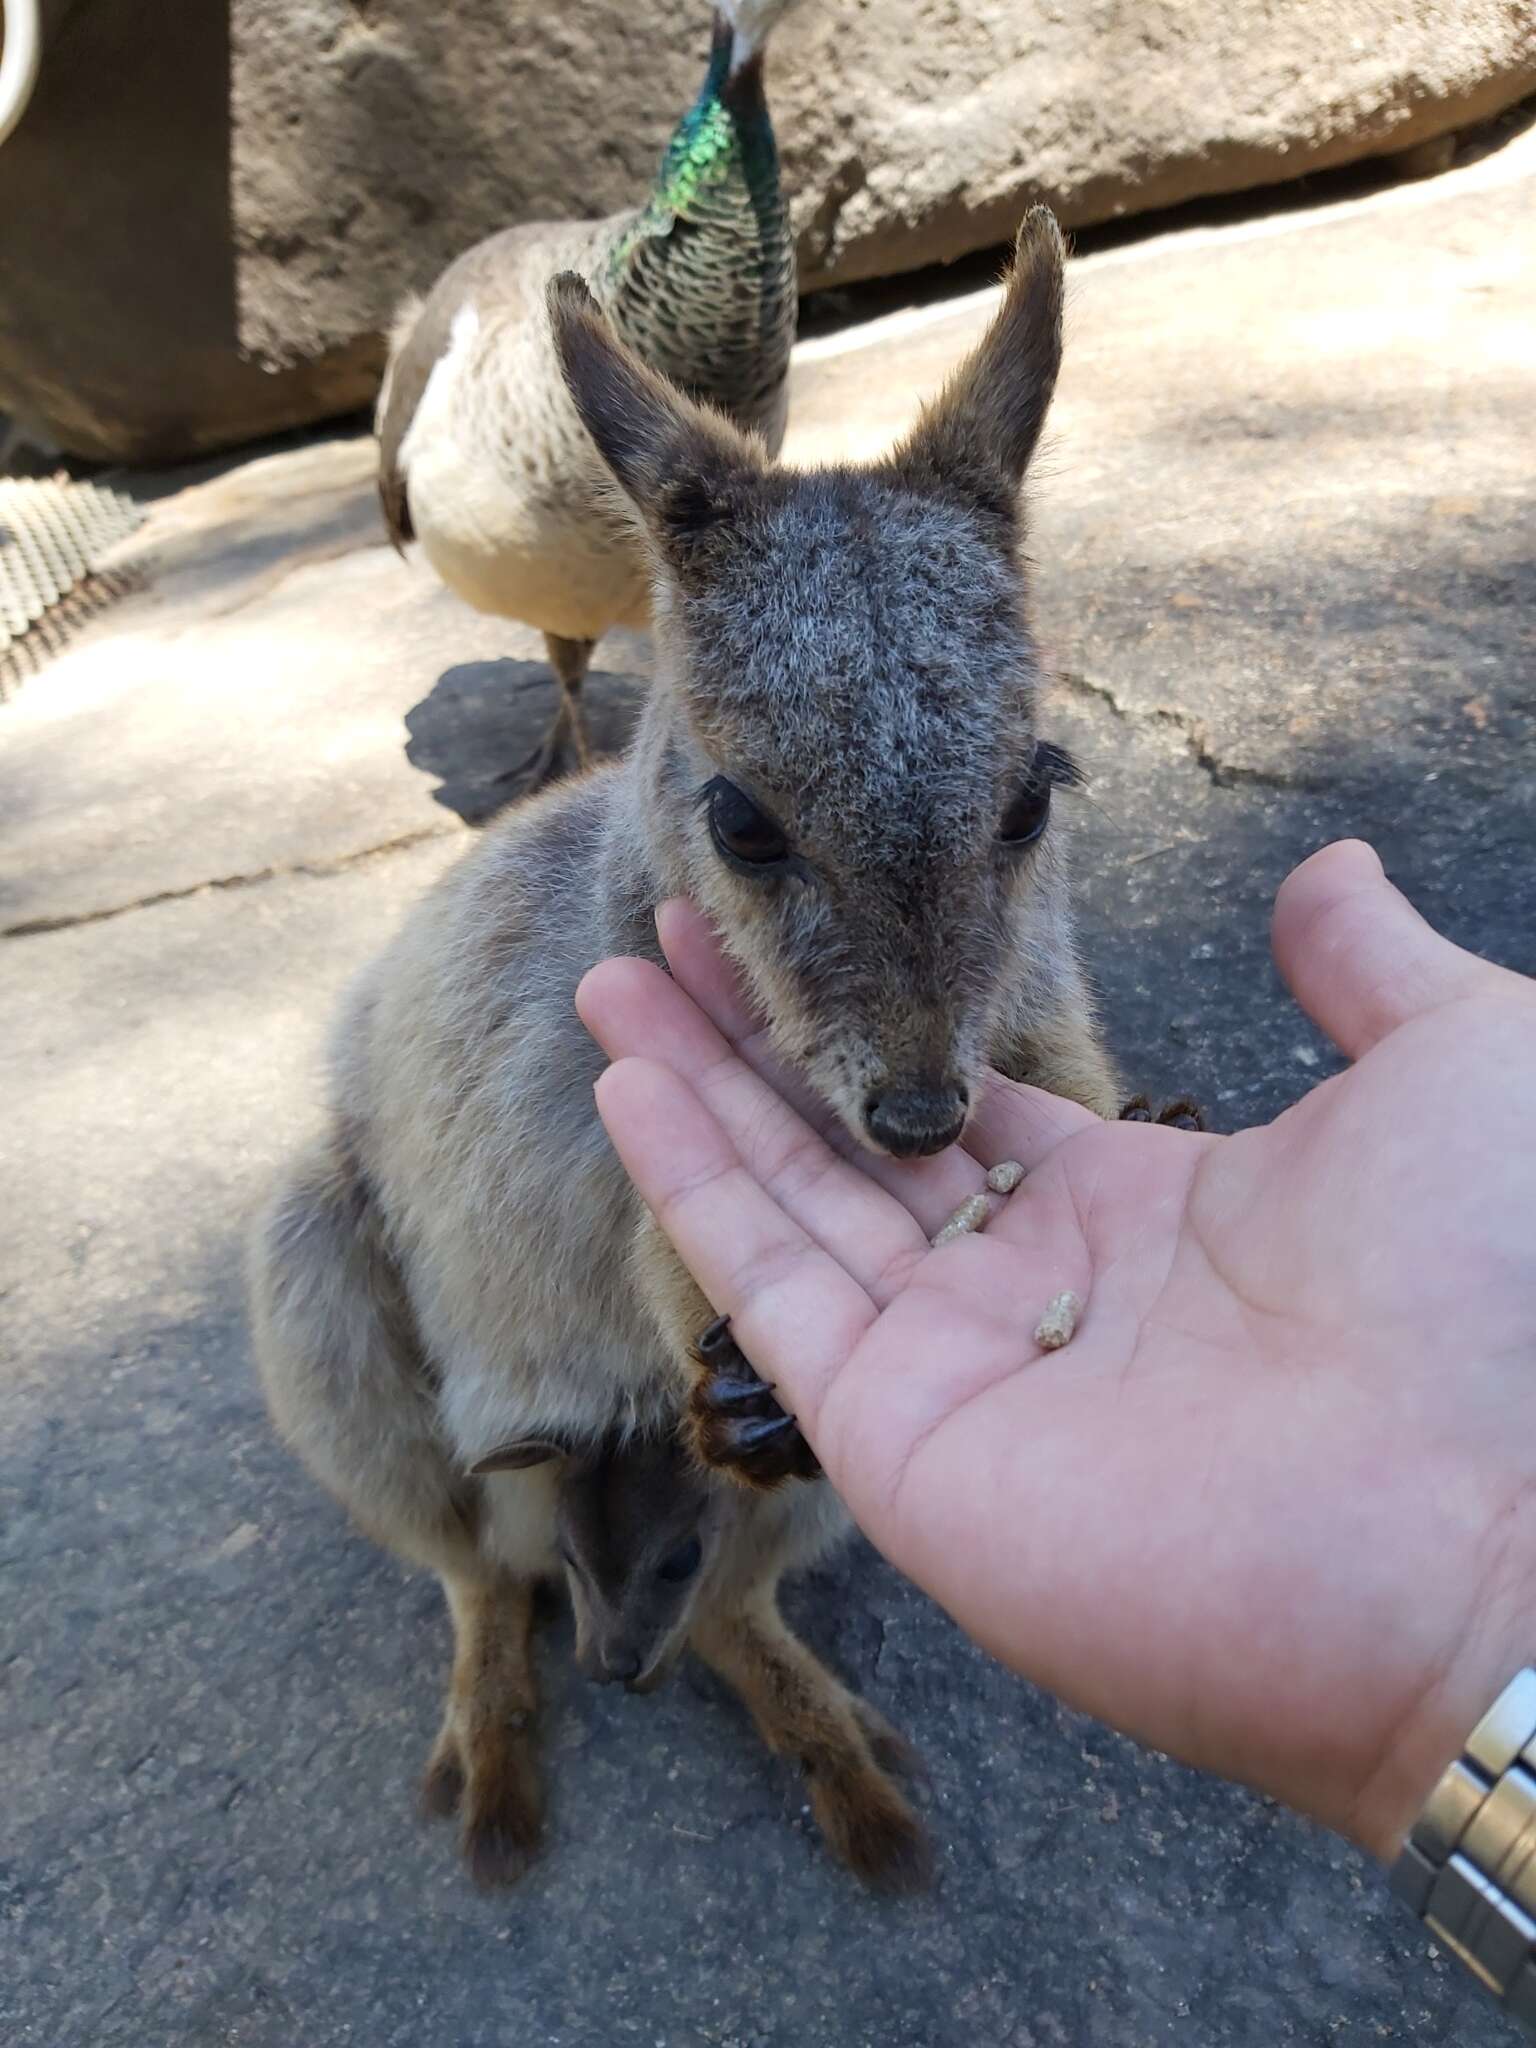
(740, 830)
(1029, 807)
(683, 1562)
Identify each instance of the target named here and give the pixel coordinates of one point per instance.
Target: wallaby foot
(442, 1782)
(887, 1745)
(564, 749)
(735, 1423)
(1182, 1115)
(483, 1765)
(801, 1711)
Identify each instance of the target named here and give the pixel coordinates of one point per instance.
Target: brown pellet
(971, 1215)
(1056, 1326)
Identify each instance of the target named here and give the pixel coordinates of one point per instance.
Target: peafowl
(482, 458)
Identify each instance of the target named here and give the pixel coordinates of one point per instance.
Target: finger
(1358, 957)
(698, 960)
(932, 1189)
(699, 966)
(632, 1008)
(1014, 1121)
(797, 1312)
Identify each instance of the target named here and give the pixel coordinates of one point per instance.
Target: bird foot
(562, 751)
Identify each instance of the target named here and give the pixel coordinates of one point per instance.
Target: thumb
(1359, 958)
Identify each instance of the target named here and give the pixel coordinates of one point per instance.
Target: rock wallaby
(458, 1299)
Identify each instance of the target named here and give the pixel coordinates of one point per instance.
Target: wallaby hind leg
(346, 1385)
(801, 1711)
(340, 1366)
(483, 1765)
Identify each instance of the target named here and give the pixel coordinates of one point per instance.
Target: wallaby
(839, 762)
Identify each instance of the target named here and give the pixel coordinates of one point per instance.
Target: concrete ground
(1286, 574)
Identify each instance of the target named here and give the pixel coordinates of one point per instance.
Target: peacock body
(482, 458)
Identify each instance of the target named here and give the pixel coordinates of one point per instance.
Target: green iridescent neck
(726, 136)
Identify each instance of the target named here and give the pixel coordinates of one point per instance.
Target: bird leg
(563, 749)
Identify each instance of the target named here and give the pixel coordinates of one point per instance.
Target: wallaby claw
(1182, 1115)
(735, 1422)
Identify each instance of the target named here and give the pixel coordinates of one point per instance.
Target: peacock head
(751, 22)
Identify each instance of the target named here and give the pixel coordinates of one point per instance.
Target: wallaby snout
(610, 1663)
(921, 1118)
(638, 1660)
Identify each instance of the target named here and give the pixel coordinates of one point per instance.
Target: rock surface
(1280, 565)
(119, 331)
(373, 144)
(209, 212)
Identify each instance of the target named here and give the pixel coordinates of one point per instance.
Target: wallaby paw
(870, 1827)
(442, 1786)
(734, 1421)
(503, 1817)
(887, 1745)
(500, 1847)
(1182, 1115)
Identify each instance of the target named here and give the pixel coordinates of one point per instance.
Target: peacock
(482, 458)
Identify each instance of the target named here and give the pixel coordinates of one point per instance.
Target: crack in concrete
(1221, 774)
(265, 583)
(32, 927)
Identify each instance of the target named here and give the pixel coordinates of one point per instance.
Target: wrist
(1497, 1638)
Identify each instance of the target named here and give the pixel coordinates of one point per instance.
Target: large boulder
(202, 236)
(119, 331)
(373, 143)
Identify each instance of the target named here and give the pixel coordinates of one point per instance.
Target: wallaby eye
(683, 1562)
(1028, 808)
(740, 830)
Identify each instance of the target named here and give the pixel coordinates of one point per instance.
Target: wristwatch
(1468, 1867)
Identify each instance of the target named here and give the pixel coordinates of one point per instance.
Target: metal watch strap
(1468, 1868)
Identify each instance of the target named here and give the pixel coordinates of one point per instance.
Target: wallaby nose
(619, 1666)
(911, 1122)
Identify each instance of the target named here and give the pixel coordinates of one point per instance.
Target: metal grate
(52, 535)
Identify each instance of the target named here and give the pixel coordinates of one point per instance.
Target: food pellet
(1005, 1176)
(970, 1215)
(1056, 1326)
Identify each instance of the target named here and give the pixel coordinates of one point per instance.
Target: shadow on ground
(481, 720)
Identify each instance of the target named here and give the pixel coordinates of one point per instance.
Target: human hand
(1274, 1508)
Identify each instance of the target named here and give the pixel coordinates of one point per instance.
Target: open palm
(1273, 1507)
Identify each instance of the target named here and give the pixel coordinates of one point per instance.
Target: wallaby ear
(978, 435)
(679, 464)
(518, 1455)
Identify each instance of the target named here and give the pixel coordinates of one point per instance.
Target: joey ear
(518, 1455)
(978, 435)
(678, 463)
